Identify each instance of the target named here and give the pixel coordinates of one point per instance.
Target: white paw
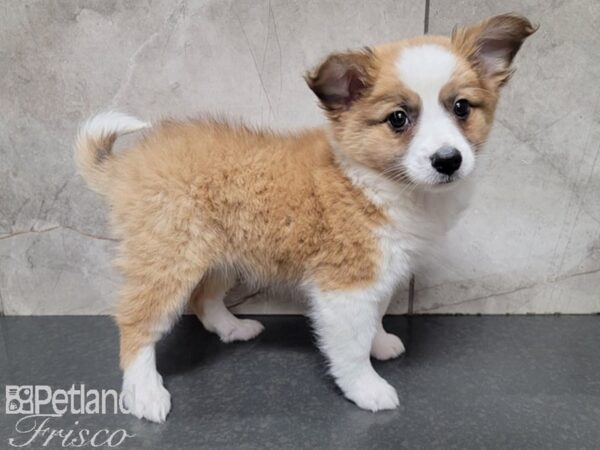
(373, 393)
(147, 398)
(386, 346)
(244, 330)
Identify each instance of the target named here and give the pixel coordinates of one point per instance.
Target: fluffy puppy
(338, 212)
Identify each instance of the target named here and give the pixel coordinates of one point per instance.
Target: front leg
(346, 323)
(385, 345)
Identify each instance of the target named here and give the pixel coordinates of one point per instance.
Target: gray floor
(465, 382)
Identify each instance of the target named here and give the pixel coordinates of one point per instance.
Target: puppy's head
(419, 110)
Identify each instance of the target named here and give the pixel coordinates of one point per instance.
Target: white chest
(416, 217)
(415, 224)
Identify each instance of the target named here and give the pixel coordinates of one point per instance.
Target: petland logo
(40, 404)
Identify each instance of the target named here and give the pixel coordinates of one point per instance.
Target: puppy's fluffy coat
(338, 212)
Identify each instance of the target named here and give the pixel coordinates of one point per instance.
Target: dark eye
(462, 108)
(398, 120)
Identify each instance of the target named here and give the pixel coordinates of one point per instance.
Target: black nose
(446, 160)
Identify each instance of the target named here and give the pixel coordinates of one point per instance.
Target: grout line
(426, 21)
(244, 299)
(411, 295)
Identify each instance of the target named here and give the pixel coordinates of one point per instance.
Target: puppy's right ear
(342, 79)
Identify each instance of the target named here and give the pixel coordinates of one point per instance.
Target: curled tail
(93, 148)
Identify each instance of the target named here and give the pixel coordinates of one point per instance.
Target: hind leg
(150, 302)
(207, 302)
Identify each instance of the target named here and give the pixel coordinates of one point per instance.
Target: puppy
(338, 212)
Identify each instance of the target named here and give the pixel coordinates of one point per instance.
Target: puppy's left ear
(342, 79)
(491, 45)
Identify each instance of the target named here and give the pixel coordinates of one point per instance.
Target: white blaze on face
(426, 69)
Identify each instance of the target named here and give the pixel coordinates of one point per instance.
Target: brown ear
(492, 44)
(342, 78)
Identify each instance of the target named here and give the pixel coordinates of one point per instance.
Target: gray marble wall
(530, 242)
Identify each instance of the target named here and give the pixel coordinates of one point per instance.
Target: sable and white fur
(339, 212)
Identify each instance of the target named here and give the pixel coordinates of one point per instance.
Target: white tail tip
(111, 123)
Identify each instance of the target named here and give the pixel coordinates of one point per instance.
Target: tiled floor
(465, 382)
